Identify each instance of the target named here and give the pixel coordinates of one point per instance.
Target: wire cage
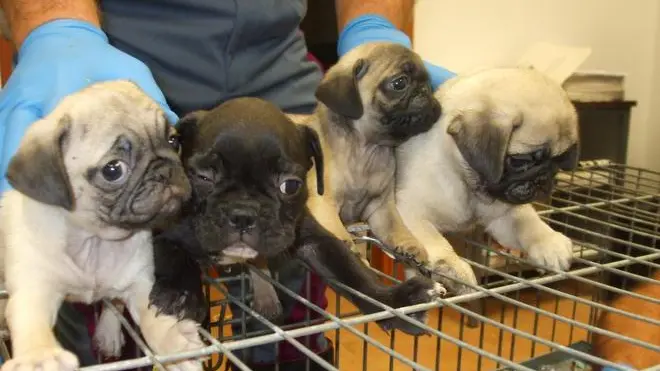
(518, 319)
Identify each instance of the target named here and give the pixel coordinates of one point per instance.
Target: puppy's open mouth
(240, 250)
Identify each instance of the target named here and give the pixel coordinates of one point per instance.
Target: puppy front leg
(165, 334)
(332, 260)
(108, 335)
(31, 312)
(442, 258)
(387, 225)
(327, 214)
(522, 228)
(177, 289)
(265, 300)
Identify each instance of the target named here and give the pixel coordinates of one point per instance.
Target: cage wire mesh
(518, 319)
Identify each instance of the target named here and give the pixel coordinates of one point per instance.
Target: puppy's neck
(94, 228)
(337, 131)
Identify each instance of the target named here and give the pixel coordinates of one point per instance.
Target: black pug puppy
(247, 163)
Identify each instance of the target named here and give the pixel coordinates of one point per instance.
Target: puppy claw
(417, 290)
(437, 291)
(49, 359)
(412, 252)
(455, 274)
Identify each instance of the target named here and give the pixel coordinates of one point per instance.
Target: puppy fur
(89, 182)
(247, 163)
(444, 175)
(376, 97)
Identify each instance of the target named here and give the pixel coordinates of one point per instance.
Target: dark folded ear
(315, 152)
(187, 129)
(569, 159)
(37, 168)
(482, 143)
(339, 90)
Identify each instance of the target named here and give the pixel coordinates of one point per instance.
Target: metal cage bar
(523, 319)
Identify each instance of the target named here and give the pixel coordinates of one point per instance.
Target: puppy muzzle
(404, 125)
(243, 233)
(524, 185)
(157, 198)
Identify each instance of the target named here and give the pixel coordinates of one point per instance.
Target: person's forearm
(396, 11)
(25, 15)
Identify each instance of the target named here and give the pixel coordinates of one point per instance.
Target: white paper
(557, 61)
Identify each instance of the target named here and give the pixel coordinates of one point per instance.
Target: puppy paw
(268, 306)
(417, 290)
(413, 251)
(168, 336)
(179, 302)
(453, 273)
(554, 251)
(43, 359)
(108, 335)
(183, 366)
(186, 338)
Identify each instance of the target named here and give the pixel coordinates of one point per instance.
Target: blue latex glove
(56, 59)
(624, 367)
(372, 27)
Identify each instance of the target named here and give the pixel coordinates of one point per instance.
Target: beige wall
(624, 35)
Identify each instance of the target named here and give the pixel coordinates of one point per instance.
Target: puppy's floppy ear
(482, 142)
(187, 129)
(314, 151)
(37, 169)
(569, 159)
(187, 125)
(339, 90)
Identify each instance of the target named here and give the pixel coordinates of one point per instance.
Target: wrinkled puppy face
(515, 128)
(108, 156)
(383, 91)
(247, 163)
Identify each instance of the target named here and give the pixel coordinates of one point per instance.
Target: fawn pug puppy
(375, 98)
(248, 165)
(503, 135)
(89, 182)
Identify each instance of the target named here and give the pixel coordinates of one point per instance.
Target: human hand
(371, 28)
(56, 59)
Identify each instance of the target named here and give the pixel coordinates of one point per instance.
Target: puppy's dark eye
(174, 141)
(114, 171)
(291, 186)
(400, 83)
(205, 175)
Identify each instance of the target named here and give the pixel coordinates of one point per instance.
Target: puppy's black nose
(242, 219)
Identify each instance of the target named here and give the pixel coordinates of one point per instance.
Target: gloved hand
(370, 28)
(624, 367)
(56, 59)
